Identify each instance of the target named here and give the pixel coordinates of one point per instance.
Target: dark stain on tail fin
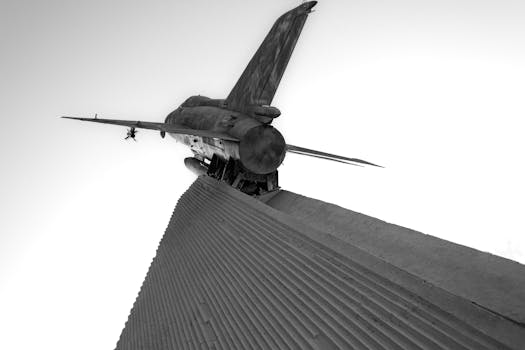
(259, 81)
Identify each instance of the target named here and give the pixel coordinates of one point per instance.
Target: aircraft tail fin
(260, 79)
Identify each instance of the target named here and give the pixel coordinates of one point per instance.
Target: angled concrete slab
(233, 272)
(490, 281)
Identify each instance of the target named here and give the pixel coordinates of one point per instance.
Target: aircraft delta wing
(328, 156)
(162, 127)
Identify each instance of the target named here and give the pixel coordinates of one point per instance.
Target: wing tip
(74, 118)
(372, 164)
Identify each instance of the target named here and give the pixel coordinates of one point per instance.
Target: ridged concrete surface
(234, 273)
(485, 279)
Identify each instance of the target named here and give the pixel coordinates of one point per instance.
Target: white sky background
(433, 90)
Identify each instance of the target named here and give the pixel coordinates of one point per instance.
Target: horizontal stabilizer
(327, 156)
(169, 128)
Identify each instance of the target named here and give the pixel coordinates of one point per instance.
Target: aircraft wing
(327, 156)
(169, 128)
(259, 81)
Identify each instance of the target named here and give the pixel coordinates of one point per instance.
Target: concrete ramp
(233, 272)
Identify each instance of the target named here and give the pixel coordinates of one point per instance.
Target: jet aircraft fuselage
(232, 139)
(261, 147)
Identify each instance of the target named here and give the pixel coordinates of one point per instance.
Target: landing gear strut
(233, 173)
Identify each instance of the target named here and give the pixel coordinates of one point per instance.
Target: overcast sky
(432, 90)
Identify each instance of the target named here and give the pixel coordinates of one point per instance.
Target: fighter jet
(232, 139)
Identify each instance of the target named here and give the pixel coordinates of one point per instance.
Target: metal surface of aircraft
(232, 139)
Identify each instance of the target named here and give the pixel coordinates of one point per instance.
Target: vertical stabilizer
(259, 81)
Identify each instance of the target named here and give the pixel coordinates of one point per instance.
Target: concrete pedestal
(232, 272)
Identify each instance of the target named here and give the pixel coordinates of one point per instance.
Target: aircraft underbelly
(206, 147)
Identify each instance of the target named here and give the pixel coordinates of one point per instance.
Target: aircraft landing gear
(233, 173)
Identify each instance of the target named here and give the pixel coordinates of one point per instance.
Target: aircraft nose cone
(262, 149)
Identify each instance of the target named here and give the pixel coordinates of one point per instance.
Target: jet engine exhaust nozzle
(262, 149)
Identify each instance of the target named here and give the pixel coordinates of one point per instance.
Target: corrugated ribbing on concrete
(234, 273)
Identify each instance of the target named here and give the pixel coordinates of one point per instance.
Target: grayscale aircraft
(232, 139)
